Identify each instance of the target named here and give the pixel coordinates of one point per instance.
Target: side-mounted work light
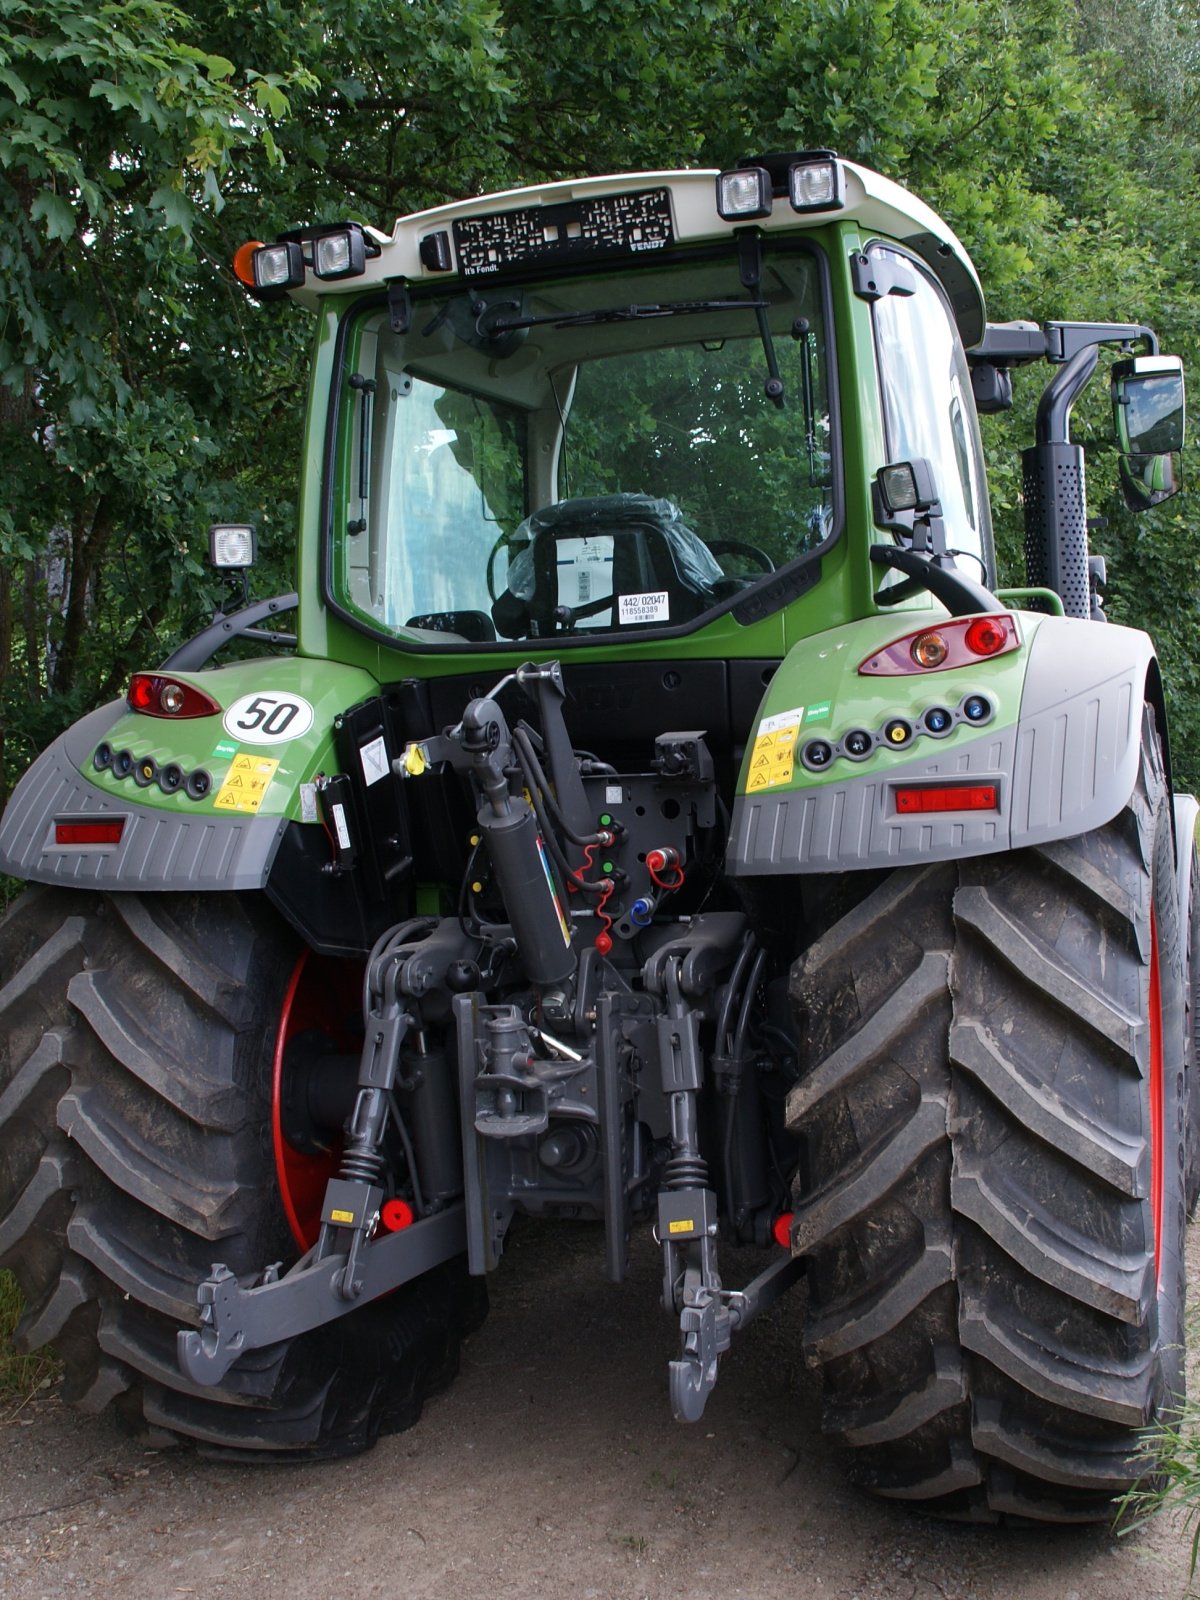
(232, 546)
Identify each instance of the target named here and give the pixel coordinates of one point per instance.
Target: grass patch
(1171, 1484)
(20, 1376)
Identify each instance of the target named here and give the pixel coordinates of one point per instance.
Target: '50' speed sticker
(268, 718)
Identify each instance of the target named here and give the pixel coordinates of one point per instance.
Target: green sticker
(821, 712)
(226, 748)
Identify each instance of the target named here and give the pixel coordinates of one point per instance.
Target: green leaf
(55, 213)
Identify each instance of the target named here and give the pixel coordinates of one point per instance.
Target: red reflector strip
(948, 797)
(89, 832)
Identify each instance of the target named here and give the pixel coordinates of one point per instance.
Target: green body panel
(819, 679)
(204, 742)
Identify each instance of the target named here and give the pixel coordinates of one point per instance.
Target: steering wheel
(736, 547)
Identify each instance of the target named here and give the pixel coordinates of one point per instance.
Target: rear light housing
(153, 694)
(956, 642)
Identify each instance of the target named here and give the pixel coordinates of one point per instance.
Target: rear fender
(1059, 747)
(260, 753)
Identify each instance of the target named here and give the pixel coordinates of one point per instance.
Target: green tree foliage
(141, 394)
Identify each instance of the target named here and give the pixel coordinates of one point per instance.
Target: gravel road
(553, 1468)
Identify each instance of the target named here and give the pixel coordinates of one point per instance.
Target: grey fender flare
(1079, 734)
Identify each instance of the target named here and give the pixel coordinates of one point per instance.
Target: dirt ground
(553, 1468)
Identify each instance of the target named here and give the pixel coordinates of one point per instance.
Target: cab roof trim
(878, 205)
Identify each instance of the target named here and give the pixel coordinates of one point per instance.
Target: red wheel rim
(1156, 1098)
(324, 995)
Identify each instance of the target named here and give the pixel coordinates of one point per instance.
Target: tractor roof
(594, 219)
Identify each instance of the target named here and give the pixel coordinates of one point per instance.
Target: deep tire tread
(984, 1300)
(135, 1040)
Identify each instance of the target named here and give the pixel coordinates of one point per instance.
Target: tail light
(956, 642)
(154, 695)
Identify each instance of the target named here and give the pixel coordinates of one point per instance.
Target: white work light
(340, 254)
(744, 192)
(279, 266)
(231, 546)
(816, 185)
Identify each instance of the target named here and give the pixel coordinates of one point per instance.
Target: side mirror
(1148, 423)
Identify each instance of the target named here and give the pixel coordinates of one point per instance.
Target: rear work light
(154, 695)
(744, 192)
(919, 797)
(817, 184)
(107, 832)
(269, 270)
(232, 546)
(956, 642)
(341, 253)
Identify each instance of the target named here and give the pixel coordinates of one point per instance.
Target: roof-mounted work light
(744, 192)
(339, 253)
(817, 183)
(278, 267)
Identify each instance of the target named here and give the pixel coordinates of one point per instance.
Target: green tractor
(661, 818)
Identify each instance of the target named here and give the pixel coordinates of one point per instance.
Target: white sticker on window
(654, 607)
(374, 761)
(583, 573)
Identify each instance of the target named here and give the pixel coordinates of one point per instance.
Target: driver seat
(616, 561)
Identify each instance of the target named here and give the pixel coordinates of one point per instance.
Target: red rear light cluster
(957, 642)
(155, 695)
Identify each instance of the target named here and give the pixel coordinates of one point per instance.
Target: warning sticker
(654, 607)
(374, 761)
(245, 783)
(773, 757)
(781, 720)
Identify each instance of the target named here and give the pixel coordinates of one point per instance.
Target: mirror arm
(961, 596)
(1061, 393)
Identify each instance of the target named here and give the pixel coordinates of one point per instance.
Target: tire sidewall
(1177, 1021)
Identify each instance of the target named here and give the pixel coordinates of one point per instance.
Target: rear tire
(991, 1186)
(136, 1039)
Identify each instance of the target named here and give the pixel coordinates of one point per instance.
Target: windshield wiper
(489, 326)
